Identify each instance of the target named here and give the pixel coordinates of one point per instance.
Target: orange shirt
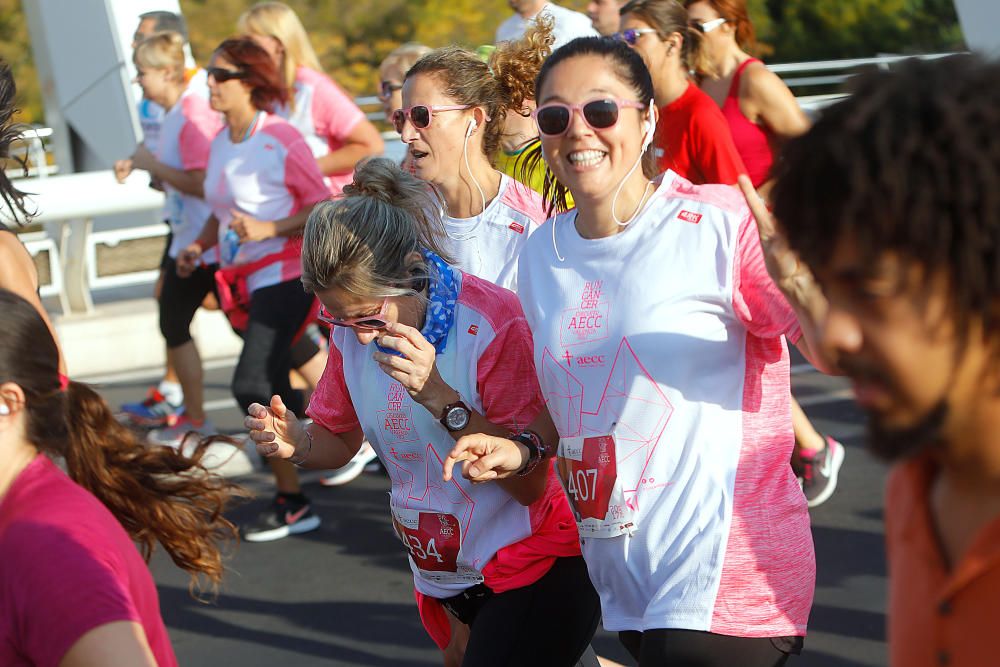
(937, 616)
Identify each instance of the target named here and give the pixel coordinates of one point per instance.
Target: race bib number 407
(588, 469)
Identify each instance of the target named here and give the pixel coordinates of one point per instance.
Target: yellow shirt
(510, 164)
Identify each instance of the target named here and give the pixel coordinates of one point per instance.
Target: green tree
(830, 29)
(15, 50)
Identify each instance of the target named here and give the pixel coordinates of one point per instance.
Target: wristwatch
(536, 450)
(455, 417)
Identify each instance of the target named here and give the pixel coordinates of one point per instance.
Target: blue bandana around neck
(442, 295)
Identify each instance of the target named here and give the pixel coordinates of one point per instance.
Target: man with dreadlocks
(892, 201)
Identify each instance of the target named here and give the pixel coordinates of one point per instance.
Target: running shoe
(819, 470)
(173, 436)
(283, 518)
(155, 411)
(353, 468)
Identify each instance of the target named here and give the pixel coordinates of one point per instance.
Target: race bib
(588, 470)
(434, 542)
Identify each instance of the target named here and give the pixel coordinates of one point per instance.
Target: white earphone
(4, 410)
(472, 127)
(650, 128)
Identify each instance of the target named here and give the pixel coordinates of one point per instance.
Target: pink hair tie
(63, 382)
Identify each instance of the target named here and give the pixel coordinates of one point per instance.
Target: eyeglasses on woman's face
(421, 115)
(221, 75)
(632, 35)
(375, 322)
(553, 118)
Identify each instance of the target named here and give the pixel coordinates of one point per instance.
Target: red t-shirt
(68, 568)
(693, 139)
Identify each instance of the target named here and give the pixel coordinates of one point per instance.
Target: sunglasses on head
(708, 26)
(632, 35)
(222, 75)
(553, 118)
(387, 88)
(367, 323)
(421, 115)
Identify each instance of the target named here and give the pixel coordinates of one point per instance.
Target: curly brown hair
(500, 85)
(156, 493)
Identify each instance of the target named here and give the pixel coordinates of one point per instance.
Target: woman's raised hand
(274, 428)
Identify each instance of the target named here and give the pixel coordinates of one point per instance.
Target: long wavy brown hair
(156, 493)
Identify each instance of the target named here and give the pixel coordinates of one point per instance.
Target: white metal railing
(845, 68)
(31, 147)
(71, 202)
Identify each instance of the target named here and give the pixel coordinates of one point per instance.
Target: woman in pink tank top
(762, 113)
(759, 107)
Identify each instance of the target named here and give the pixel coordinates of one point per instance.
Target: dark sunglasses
(421, 115)
(387, 88)
(222, 75)
(632, 35)
(553, 119)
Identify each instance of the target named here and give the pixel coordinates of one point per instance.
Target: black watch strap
(536, 450)
(456, 416)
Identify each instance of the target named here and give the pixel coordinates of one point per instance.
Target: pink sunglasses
(421, 115)
(366, 323)
(553, 118)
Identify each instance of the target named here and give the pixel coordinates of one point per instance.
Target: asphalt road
(343, 595)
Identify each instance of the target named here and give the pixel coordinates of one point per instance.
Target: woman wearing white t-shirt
(261, 183)
(178, 162)
(421, 353)
(334, 127)
(454, 106)
(659, 345)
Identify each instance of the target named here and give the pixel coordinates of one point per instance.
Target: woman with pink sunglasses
(422, 353)
(659, 343)
(452, 120)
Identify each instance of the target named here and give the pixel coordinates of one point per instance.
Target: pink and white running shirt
(185, 138)
(661, 349)
(325, 115)
(451, 530)
(488, 244)
(270, 175)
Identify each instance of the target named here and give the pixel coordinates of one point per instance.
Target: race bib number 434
(434, 541)
(588, 469)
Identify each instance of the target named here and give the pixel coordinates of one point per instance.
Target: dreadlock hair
(908, 164)
(13, 198)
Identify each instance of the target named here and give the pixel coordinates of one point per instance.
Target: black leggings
(277, 314)
(694, 648)
(180, 299)
(549, 623)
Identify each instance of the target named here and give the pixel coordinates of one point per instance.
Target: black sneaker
(283, 518)
(819, 472)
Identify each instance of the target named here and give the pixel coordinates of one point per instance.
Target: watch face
(457, 418)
